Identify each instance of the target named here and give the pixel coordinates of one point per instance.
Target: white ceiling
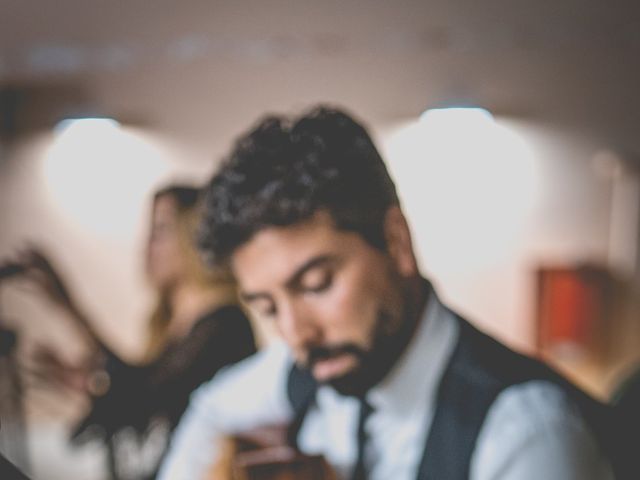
(203, 70)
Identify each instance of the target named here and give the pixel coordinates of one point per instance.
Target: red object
(573, 306)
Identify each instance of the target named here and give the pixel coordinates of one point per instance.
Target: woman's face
(165, 263)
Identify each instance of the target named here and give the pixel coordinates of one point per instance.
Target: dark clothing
(139, 396)
(8, 471)
(479, 369)
(626, 401)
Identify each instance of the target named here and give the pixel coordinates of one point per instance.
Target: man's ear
(398, 238)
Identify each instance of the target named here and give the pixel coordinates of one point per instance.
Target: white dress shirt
(532, 431)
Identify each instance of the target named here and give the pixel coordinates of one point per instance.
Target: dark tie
(359, 472)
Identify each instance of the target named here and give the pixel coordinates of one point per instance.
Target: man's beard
(373, 363)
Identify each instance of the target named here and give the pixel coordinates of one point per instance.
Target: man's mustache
(325, 352)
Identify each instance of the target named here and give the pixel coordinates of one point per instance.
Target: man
(376, 374)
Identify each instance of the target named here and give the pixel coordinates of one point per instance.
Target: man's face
(336, 300)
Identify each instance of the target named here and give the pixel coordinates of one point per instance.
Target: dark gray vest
(479, 369)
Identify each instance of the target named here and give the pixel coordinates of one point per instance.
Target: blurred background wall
(548, 181)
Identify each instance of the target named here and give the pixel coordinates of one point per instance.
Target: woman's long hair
(219, 280)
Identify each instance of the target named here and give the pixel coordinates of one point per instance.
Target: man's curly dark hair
(284, 171)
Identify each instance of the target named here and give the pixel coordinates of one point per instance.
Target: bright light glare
(90, 125)
(455, 114)
(99, 175)
(468, 182)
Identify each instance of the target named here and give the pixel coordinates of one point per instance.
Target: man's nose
(298, 325)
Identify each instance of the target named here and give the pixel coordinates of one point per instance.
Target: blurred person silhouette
(8, 471)
(626, 400)
(195, 329)
(375, 372)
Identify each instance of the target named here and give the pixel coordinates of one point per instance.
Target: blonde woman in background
(195, 329)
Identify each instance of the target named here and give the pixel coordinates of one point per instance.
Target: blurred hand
(39, 270)
(46, 366)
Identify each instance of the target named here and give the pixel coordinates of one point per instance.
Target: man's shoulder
(533, 407)
(538, 423)
(485, 360)
(264, 371)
